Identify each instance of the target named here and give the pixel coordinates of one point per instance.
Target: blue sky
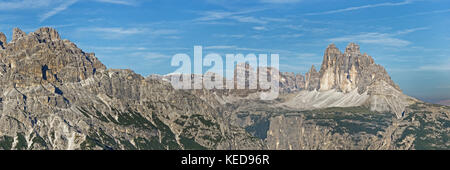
(410, 38)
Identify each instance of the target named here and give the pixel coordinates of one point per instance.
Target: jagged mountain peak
(17, 34)
(332, 46)
(61, 100)
(55, 96)
(42, 34)
(313, 69)
(3, 41)
(354, 76)
(47, 33)
(42, 55)
(332, 50)
(350, 70)
(353, 49)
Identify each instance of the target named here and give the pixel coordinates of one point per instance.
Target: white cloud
(411, 30)
(290, 35)
(249, 19)
(218, 15)
(121, 48)
(280, 1)
(259, 28)
(233, 47)
(363, 7)
(320, 30)
(120, 32)
(386, 39)
(296, 67)
(119, 2)
(239, 16)
(34, 4)
(25, 4)
(306, 55)
(426, 13)
(237, 49)
(373, 38)
(131, 31)
(55, 6)
(58, 9)
(164, 32)
(135, 49)
(437, 67)
(220, 47)
(271, 19)
(117, 30)
(229, 36)
(151, 55)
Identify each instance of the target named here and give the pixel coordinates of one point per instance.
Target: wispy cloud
(248, 19)
(320, 30)
(52, 7)
(120, 32)
(220, 47)
(35, 4)
(58, 9)
(407, 31)
(280, 1)
(437, 67)
(386, 39)
(151, 55)
(229, 35)
(218, 15)
(296, 67)
(426, 13)
(131, 31)
(306, 55)
(290, 35)
(259, 28)
(163, 32)
(135, 49)
(24, 4)
(119, 2)
(65, 5)
(373, 38)
(118, 48)
(117, 30)
(243, 16)
(362, 7)
(235, 48)
(273, 19)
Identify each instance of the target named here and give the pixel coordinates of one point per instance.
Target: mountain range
(56, 96)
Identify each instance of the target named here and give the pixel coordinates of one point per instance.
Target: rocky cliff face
(342, 74)
(351, 103)
(3, 41)
(312, 79)
(42, 56)
(55, 96)
(291, 82)
(350, 70)
(347, 71)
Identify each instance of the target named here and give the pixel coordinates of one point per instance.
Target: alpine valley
(55, 96)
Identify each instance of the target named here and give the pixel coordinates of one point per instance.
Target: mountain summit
(53, 95)
(349, 79)
(43, 56)
(349, 71)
